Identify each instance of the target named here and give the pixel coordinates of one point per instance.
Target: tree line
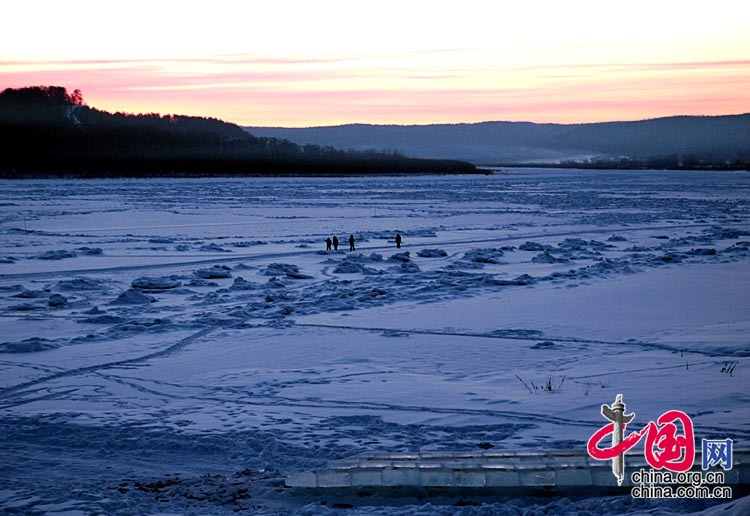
(47, 131)
(670, 162)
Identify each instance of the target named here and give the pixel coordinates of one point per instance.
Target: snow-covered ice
(179, 346)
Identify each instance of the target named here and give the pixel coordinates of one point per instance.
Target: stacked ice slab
(488, 469)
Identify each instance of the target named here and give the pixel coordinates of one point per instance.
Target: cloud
(393, 88)
(198, 60)
(634, 67)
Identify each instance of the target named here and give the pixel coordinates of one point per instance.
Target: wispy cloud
(222, 59)
(420, 86)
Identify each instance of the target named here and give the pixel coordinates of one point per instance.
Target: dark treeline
(673, 162)
(46, 131)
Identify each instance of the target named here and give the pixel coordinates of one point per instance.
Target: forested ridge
(672, 142)
(47, 131)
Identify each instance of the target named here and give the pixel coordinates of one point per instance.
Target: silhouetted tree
(45, 129)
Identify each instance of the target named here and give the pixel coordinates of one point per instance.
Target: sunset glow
(322, 63)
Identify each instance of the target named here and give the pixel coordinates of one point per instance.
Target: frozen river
(181, 345)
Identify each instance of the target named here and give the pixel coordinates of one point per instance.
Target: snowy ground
(179, 346)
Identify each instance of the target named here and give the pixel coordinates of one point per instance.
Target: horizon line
(477, 122)
(375, 124)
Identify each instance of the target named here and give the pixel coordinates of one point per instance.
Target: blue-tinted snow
(209, 345)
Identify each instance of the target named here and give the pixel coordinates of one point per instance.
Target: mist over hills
(714, 138)
(46, 130)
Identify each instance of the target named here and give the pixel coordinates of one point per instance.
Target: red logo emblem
(669, 442)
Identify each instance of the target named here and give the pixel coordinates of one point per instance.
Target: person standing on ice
(335, 243)
(351, 242)
(328, 243)
(398, 240)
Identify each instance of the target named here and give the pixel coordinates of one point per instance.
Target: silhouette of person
(351, 242)
(335, 243)
(398, 240)
(328, 243)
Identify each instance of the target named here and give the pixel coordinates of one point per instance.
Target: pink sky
(429, 64)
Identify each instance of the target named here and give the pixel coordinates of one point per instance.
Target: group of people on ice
(334, 242)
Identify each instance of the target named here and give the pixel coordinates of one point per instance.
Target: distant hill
(47, 131)
(705, 137)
